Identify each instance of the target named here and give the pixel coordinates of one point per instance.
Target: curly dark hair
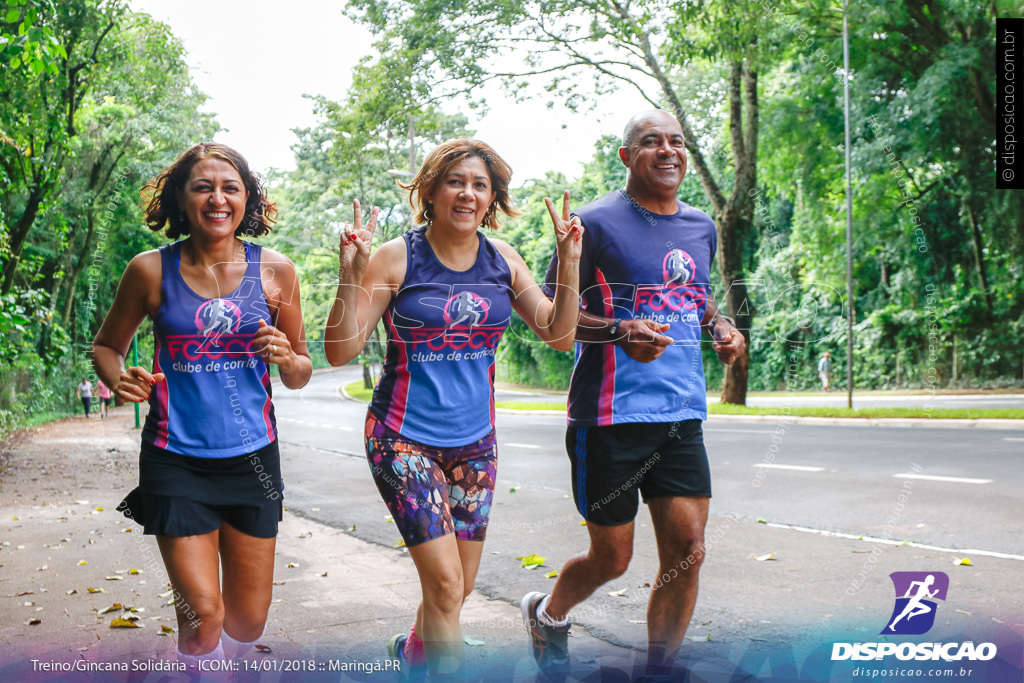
(440, 161)
(165, 190)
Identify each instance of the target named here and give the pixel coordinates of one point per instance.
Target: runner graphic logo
(914, 611)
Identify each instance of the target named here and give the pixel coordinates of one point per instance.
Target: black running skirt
(181, 495)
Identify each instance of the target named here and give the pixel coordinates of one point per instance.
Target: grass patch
(531, 405)
(876, 413)
(10, 423)
(357, 391)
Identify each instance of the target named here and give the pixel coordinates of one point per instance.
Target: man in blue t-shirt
(637, 394)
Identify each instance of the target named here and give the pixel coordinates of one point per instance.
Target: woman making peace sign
(446, 292)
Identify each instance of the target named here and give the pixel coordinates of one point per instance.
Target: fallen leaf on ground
(72, 591)
(388, 518)
(81, 562)
(292, 565)
(761, 520)
(34, 622)
(165, 630)
(583, 522)
(513, 489)
(133, 572)
(279, 583)
(42, 569)
(306, 534)
(263, 648)
(82, 502)
(114, 578)
(124, 623)
(324, 574)
(353, 528)
(617, 594)
(95, 590)
(699, 639)
(765, 558)
(18, 595)
(472, 642)
(960, 611)
(398, 544)
(552, 574)
(532, 561)
(115, 606)
(965, 561)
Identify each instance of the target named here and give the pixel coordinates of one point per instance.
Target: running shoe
(549, 645)
(407, 673)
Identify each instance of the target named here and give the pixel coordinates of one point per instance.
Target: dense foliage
(97, 99)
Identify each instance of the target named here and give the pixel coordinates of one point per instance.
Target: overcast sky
(309, 47)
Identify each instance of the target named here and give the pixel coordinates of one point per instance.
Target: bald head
(641, 120)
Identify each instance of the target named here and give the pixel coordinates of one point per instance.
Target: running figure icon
(466, 309)
(219, 322)
(916, 607)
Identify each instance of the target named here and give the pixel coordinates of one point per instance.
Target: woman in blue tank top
(210, 484)
(445, 292)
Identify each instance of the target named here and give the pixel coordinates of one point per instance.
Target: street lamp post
(849, 211)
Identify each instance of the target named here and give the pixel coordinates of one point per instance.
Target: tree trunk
(979, 258)
(76, 268)
(19, 233)
(732, 226)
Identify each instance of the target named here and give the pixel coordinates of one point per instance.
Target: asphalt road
(951, 490)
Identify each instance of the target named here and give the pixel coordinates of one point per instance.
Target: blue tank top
(215, 402)
(637, 264)
(437, 385)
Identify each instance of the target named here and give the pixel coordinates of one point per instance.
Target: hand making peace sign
(568, 230)
(354, 251)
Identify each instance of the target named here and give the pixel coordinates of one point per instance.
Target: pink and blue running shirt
(437, 385)
(638, 264)
(215, 402)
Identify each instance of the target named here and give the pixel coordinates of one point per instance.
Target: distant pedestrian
(84, 393)
(104, 393)
(825, 371)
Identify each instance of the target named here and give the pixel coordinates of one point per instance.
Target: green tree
(38, 118)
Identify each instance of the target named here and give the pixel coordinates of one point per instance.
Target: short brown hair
(436, 166)
(165, 189)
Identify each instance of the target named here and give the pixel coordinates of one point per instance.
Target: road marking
(795, 468)
(935, 477)
(1013, 438)
(890, 541)
(314, 424)
(521, 445)
(741, 431)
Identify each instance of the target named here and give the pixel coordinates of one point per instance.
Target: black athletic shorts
(180, 495)
(612, 464)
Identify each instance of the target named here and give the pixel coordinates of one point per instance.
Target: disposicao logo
(916, 592)
(913, 615)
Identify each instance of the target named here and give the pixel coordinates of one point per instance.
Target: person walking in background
(84, 393)
(223, 310)
(104, 393)
(637, 397)
(446, 293)
(825, 371)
